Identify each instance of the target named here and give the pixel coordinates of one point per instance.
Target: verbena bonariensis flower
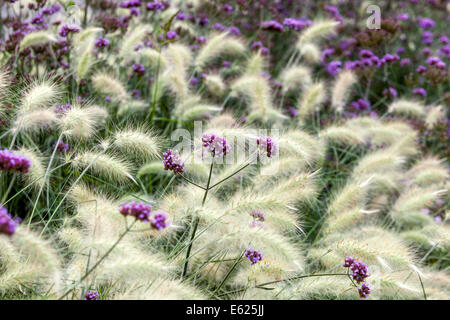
(426, 23)
(101, 42)
(171, 35)
(13, 162)
(253, 255)
(8, 225)
(158, 220)
(258, 215)
(272, 25)
(297, 24)
(62, 147)
(65, 30)
(155, 6)
(173, 162)
(140, 210)
(91, 295)
(218, 146)
(420, 92)
(364, 291)
(359, 271)
(139, 69)
(267, 145)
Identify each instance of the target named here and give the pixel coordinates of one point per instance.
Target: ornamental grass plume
(37, 38)
(141, 143)
(319, 29)
(341, 89)
(296, 77)
(105, 166)
(218, 45)
(407, 107)
(109, 85)
(39, 94)
(311, 100)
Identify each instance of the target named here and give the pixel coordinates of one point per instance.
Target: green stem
(193, 183)
(195, 224)
(128, 228)
(5, 195)
(234, 173)
(262, 285)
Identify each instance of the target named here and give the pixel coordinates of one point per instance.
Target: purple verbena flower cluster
(8, 225)
(359, 273)
(253, 255)
(13, 162)
(91, 295)
(159, 220)
(218, 146)
(266, 144)
(140, 210)
(173, 162)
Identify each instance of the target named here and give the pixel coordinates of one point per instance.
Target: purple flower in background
(334, 12)
(101, 42)
(403, 17)
(426, 23)
(158, 220)
(444, 39)
(390, 92)
(61, 109)
(364, 53)
(181, 16)
(171, 35)
(258, 215)
(173, 162)
(218, 26)
(8, 225)
(13, 162)
(141, 211)
(155, 6)
(348, 262)
(62, 147)
(218, 146)
(272, 25)
(420, 92)
(437, 62)
(334, 67)
(253, 255)
(228, 8)
(326, 53)
(267, 145)
(259, 45)
(421, 69)
(359, 271)
(438, 219)
(296, 24)
(65, 30)
(91, 295)
(360, 104)
(293, 112)
(234, 31)
(405, 62)
(138, 69)
(364, 291)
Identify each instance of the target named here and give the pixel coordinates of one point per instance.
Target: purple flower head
(171, 35)
(228, 8)
(293, 112)
(234, 31)
(158, 220)
(181, 16)
(364, 291)
(61, 109)
(296, 24)
(426, 23)
(364, 53)
(444, 39)
(348, 262)
(390, 92)
(173, 162)
(258, 45)
(39, 19)
(327, 53)
(258, 215)
(91, 295)
(13, 162)
(155, 6)
(266, 144)
(218, 146)
(130, 4)
(253, 255)
(403, 17)
(272, 25)
(62, 147)
(360, 104)
(359, 271)
(218, 26)
(438, 219)
(8, 225)
(405, 62)
(421, 69)
(140, 210)
(334, 67)
(139, 69)
(420, 92)
(437, 62)
(101, 42)
(226, 64)
(65, 30)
